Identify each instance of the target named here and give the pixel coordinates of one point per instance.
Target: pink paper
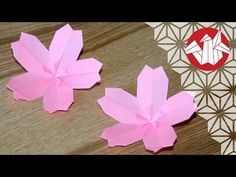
(54, 73)
(149, 116)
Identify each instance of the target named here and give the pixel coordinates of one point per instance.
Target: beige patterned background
(215, 90)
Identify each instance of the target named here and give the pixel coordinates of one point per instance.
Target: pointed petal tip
(146, 67)
(50, 110)
(157, 149)
(153, 149)
(99, 79)
(160, 70)
(9, 84)
(98, 63)
(65, 27)
(103, 135)
(107, 90)
(15, 94)
(15, 49)
(67, 107)
(25, 36)
(195, 107)
(16, 97)
(110, 144)
(23, 33)
(145, 71)
(55, 110)
(190, 93)
(14, 45)
(100, 100)
(79, 34)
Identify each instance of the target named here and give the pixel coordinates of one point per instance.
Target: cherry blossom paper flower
(149, 116)
(54, 73)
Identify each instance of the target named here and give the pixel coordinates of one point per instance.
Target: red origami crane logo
(207, 49)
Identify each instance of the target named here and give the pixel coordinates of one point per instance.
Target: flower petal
(29, 51)
(152, 88)
(123, 134)
(83, 74)
(18, 96)
(28, 86)
(59, 96)
(84, 81)
(122, 106)
(66, 46)
(59, 42)
(85, 66)
(118, 112)
(178, 108)
(26, 59)
(159, 137)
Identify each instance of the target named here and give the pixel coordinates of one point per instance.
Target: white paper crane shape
(212, 49)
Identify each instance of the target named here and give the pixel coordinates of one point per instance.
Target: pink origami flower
(149, 116)
(54, 73)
